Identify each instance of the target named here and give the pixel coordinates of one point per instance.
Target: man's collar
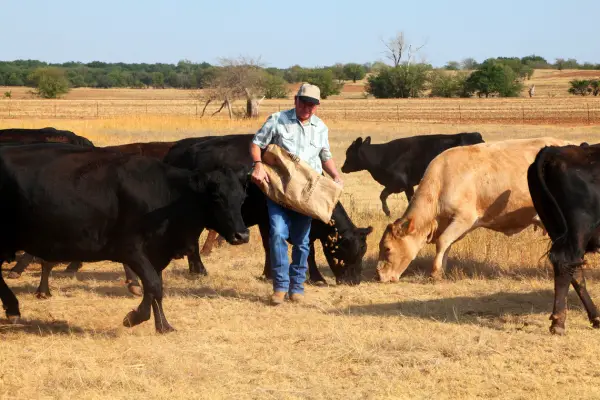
(313, 118)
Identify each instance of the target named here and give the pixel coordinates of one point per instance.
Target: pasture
(481, 333)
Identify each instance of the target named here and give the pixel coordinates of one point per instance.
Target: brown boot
(277, 298)
(297, 297)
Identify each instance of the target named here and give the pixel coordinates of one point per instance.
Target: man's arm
(329, 167)
(260, 141)
(327, 160)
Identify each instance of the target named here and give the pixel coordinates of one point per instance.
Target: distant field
(551, 104)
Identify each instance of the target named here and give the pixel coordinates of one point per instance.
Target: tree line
(502, 76)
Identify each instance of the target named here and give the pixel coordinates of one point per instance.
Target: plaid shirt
(309, 142)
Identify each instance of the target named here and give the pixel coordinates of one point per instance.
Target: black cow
(19, 136)
(156, 150)
(344, 244)
(400, 164)
(564, 183)
(62, 202)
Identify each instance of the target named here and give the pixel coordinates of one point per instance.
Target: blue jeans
(287, 224)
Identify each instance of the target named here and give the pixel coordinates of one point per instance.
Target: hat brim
(311, 100)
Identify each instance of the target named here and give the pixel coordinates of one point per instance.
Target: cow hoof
(13, 319)
(557, 330)
(165, 328)
(436, 277)
(320, 283)
(135, 290)
(14, 275)
(132, 319)
(43, 296)
(596, 323)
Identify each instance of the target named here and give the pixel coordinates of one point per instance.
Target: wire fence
(450, 111)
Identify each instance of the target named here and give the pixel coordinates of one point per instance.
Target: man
(302, 133)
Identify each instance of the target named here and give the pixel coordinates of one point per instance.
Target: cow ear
(358, 141)
(403, 228)
(364, 232)
(367, 140)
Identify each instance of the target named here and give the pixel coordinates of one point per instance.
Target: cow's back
(488, 179)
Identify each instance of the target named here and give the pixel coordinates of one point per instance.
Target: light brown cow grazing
(463, 188)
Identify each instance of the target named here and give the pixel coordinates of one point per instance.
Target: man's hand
(259, 174)
(339, 181)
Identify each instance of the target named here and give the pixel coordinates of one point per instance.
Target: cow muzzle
(240, 237)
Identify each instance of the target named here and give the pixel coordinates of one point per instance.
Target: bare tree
(238, 78)
(397, 48)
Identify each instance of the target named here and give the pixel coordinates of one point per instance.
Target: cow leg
(73, 267)
(209, 243)
(152, 285)
(314, 274)
(24, 260)
(160, 322)
(195, 262)
(264, 236)
(455, 231)
(131, 280)
(578, 282)
(43, 290)
(9, 300)
(562, 279)
(385, 193)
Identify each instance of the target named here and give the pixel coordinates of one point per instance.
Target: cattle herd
(63, 199)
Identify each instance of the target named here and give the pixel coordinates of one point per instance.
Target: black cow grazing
(19, 136)
(400, 164)
(564, 183)
(62, 202)
(344, 244)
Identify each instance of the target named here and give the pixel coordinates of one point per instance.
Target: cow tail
(551, 206)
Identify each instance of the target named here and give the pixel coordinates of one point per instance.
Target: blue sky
(310, 33)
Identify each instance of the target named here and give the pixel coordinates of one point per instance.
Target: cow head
(471, 138)
(353, 162)
(344, 252)
(399, 245)
(224, 192)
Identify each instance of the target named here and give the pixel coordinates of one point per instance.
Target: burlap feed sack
(295, 185)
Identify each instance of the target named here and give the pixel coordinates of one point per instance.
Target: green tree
(354, 72)
(444, 84)
(274, 87)
(452, 65)
(535, 62)
(158, 80)
(324, 79)
(580, 87)
(50, 82)
(468, 63)
(493, 78)
(403, 81)
(14, 80)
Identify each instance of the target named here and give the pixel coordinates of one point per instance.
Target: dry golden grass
(482, 333)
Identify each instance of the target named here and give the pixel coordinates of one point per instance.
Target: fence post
(398, 112)
(196, 109)
(97, 109)
(588, 108)
(54, 110)
(523, 110)
(459, 115)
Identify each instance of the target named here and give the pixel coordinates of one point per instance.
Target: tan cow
(463, 188)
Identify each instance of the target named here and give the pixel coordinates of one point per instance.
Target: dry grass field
(481, 333)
